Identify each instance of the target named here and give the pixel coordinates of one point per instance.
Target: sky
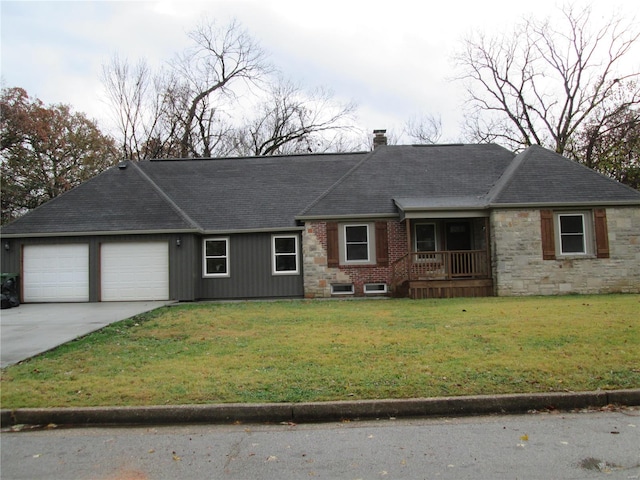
(394, 59)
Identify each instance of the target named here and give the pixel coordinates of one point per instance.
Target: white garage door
(55, 273)
(134, 271)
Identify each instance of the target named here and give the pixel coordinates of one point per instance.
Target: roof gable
(205, 195)
(119, 199)
(539, 176)
(429, 174)
(254, 193)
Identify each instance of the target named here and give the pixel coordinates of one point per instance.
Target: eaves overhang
(367, 216)
(568, 204)
(97, 233)
(153, 232)
(252, 230)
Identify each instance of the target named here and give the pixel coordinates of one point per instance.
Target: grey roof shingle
(251, 193)
(441, 174)
(269, 193)
(204, 195)
(539, 176)
(116, 200)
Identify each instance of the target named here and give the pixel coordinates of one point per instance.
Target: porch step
(418, 289)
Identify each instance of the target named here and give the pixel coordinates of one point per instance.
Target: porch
(449, 256)
(443, 274)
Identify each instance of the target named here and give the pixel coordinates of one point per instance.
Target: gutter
(594, 203)
(98, 233)
(197, 231)
(366, 216)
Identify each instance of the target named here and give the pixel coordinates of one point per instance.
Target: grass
(293, 351)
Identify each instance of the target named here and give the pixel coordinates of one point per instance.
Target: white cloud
(393, 58)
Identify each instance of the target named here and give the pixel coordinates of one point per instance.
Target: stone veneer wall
(318, 277)
(518, 267)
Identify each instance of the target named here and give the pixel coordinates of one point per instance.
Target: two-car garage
(125, 271)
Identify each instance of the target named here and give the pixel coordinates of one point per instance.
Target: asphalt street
(584, 445)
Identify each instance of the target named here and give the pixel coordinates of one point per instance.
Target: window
(357, 244)
(577, 233)
(425, 235)
(572, 234)
(216, 257)
(375, 288)
(285, 254)
(356, 239)
(342, 289)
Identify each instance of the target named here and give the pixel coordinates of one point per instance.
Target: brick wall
(318, 277)
(518, 267)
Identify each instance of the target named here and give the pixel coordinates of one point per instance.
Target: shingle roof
(269, 193)
(539, 176)
(441, 174)
(116, 200)
(190, 195)
(250, 193)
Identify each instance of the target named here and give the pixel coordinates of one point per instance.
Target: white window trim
(274, 255)
(435, 234)
(586, 243)
(204, 258)
(344, 240)
(367, 287)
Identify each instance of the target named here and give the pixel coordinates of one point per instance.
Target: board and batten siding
(184, 266)
(251, 275)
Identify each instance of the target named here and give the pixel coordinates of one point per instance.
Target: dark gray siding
(10, 259)
(250, 265)
(251, 271)
(184, 267)
(183, 274)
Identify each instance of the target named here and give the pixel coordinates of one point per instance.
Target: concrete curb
(316, 411)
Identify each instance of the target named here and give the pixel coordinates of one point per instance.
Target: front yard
(292, 351)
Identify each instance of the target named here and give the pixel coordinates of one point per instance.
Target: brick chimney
(379, 138)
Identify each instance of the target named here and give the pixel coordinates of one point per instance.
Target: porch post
(487, 241)
(408, 226)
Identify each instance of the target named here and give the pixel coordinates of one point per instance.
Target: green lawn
(293, 351)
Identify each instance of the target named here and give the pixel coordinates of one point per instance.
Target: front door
(458, 235)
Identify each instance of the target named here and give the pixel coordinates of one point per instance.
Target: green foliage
(293, 351)
(45, 151)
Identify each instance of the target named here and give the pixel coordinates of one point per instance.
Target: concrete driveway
(34, 328)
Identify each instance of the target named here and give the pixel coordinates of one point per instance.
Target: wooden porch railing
(441, 265)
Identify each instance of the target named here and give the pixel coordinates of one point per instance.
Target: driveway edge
(317, 411)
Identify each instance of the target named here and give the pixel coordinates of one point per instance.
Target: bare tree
(173, 112)
(218, 98)
(219, 58)
(293, 121)
(140, 100)
(424, 129)
(541, 83)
